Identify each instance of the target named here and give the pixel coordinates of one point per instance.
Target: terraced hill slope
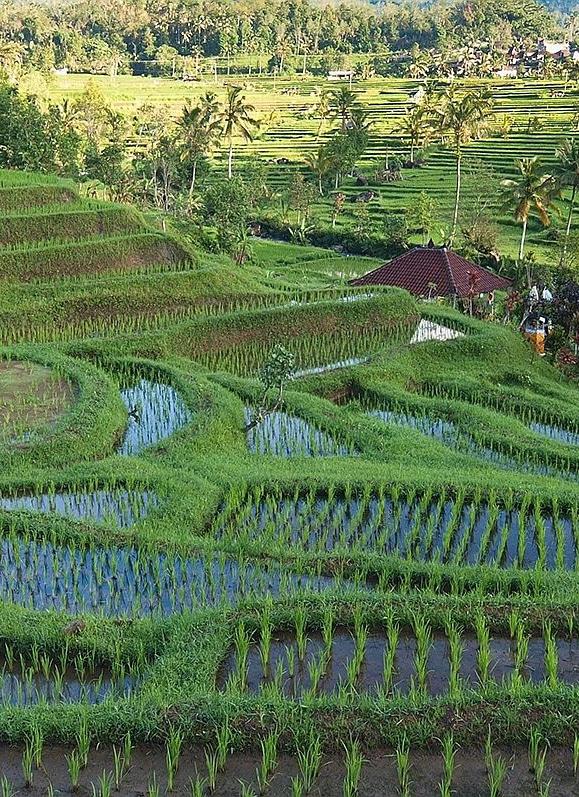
(381, 573)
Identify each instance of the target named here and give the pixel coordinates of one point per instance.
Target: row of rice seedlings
(429, 525)
(475, 443)
(285, 435)
(114, 505)
(156, 411)
(129, 581)
(47, 244)
(111, 324)
(306, 663)
(313, 353)
(309, 758)
(537, 415)
(40, 678)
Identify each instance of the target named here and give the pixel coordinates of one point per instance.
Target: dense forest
(159, 37)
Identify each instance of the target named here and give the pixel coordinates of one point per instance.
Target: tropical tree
(462, 117)
(198, 132)
(531, 192)
(566, 172)
(321, 162)
(343, 102)
(415, 126)
(322, 109)
(235, 118)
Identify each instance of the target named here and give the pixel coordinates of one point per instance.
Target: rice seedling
(197, 786)
(448, 755)
(28, 764)
(104, 785)
(6, 788)
(496, 767)
(173, 749)
(354, 761)
(309, 761)
(297, 786)
(83, 742)
(268, 761)
(575, 754)
(403, 767)
(153, 788)
(212, 764)
(74, 764)
(224, 743)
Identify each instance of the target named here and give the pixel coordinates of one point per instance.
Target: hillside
(375, 569)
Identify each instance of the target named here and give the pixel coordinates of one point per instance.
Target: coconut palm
(343, 102)
(415, 126)
(462, 117)
(566, 172)
(198, 133)
(322, 109)
(321, 163)
(235, 118)
(531, 192)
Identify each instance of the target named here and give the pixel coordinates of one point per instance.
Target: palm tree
(566, 172)
(342, 102)
(322, 109)
(198, 133)
(321, 163)
(531, 192)
(235, 117)
(462, 118)
(415, 126)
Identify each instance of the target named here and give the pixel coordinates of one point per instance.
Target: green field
(375, 585)
(538, 122)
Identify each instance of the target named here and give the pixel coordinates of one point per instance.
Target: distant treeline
(155, 36)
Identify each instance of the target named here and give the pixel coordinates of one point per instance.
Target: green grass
(197, 564)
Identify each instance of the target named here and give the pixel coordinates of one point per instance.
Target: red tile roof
(451, 273)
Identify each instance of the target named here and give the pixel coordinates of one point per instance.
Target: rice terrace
(289, 403)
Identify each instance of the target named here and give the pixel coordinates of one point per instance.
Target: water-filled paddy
(392, 665)
(450, 435)
(158, 412)
(441, 529)
(127, 581)
(28, 686)
(119, 507)
(285, 435)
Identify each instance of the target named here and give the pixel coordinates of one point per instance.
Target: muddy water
(20, 687)
(378, 777)
(296, 676)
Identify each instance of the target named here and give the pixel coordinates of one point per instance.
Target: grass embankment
(183, 554)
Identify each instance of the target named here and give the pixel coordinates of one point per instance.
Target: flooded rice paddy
(285, 435)
(377, 664)
(157, 412)
(431, 528)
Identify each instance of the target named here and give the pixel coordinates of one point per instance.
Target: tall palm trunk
(193, 176)
(563, 259)
(522, 249)
(456, 197)
(230, 160)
